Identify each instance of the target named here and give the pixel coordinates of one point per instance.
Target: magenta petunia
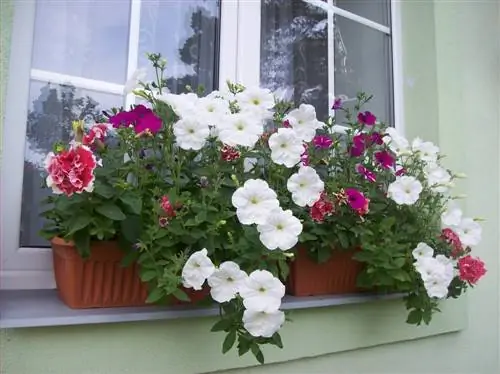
(367, 118)
(376, 138)
(356, 199)
(384, 159)
(337, 103)
(141, 117)
(368, 174)
(322, 141)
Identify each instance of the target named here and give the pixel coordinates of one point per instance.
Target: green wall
(451, 67)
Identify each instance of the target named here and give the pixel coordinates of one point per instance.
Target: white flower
(249, 163)
(212, 110)
(262, 291)
(240, 129)
(436, 273)
(280, 230)
(197, 269)
(469, 232)
(438, 178)
(226, 281)
(286, 147)
(305, 186)
(133, 82)
(303, 121)
(422, 250)
(426, 151)
(254, 201)
(224, 94)
(263, 323)
(190, 133)
(397, 143)
(436, 287)
(256, 100)
(184, 105)
(452, 216)
(405, 190)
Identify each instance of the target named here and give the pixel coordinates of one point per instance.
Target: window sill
(36, 308)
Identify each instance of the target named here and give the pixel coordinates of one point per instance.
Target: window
(70, 60)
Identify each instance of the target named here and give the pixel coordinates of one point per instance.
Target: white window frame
(239, 60)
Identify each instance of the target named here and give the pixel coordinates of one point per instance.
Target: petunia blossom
(197, 269)
(226, 281)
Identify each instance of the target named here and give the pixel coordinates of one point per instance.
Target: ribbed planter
(336, 276)
(100, 281)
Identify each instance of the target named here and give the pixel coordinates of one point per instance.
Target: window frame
(239, 60)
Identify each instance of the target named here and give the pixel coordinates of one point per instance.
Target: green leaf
(156, 295)
(132, 202)
(414, 317)
(399, 262)
(111, 211)
(307, 237)
(191, 223)
(222, 325)
(243, 345)
(257, 353)
(104, 190)
(284, 269)
(181, 295)
(276, 340)
(229, 341)
(82, 242)
(131, 228)
(201, 216)
(147, 275)
(400, 275)
(78, 222)
(427, 316)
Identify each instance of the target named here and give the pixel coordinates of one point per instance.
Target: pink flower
(357, 200)
(71, 171)
(450, 237)
(385, 159)
(286, 123)
(369, 175)
(97, 132)
(322, 141)
(229, 153)
(367, 118)
(163, 221)
(471, 269)
(376, 138)
(167, 207)
(141, 118)
(304, 157)
(321, 208)
(400, 171)
(337, 103)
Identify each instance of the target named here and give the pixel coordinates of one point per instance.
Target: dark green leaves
(155, 295)
(111, 211)
(132, 202)
(79, 221)
(229, 341)
(82, 242)
(222, 325)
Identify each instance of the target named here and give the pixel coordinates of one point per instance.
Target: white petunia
(212, 110)
(405, 190)
(436, 287)
(256, 100)
(226, 281)
(306, 186)
(426, 151)
(132, 83)
(422, 250)
(286, 147)
(263, 323)
(469, 232)
(280, 230)
(396, 142)
(452, 216)
(184, 105)
(438, 178)
(436, 273)
(303, 121)
(254, 201)
(197, 269)
(240, 129)
(262, 291)
(190, 133)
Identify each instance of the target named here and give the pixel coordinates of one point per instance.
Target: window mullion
(331, 58)
(133, 44)
(397, 66)
(249, 42)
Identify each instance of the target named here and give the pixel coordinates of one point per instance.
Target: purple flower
(322, 141)
(337, 103)
(367, 118)
(368, 174)
(385, 159)
(142, 118)
(355, 198)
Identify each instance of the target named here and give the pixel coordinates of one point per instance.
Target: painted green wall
(451, 67)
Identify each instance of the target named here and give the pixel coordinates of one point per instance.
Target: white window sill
(35, 308)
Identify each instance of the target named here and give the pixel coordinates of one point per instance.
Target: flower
(263, 323)
(97, 132)
(256, 100)
(405, 190)
(357, 200)
(163, 221)
(367, 118)
(452, 216)
(303, 121)
(281, 229)
(337, 103)
(469, 232)
(190, 133)
(132, 83)
(376, 138)
(262, 291)
(212, 110)
(226, 281)
(436, 273)
(321, 208)
(305, 186)
(450, 237)
(438, 178)
(397, 143)
(384, 159)
(184, 105)
(254, 201)
(471, 269)
(197, 269)
(422, 250)
(71, 171)
(240, 129)
(142, 119)
(229, 153)
(426, 151)
(322, 141)
(369, 175)
(167, 207)
(304, 157)
(286, 147)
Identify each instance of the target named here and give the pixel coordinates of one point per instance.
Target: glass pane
(85, 38)
(363, 63)
(375, 10)
(186, 34)
(294, 51)
(52, 109)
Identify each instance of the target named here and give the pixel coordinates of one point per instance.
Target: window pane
(375, 10)
(85, 38)
(51, 111)
(363, 63)
(294, 51)
(186, 34)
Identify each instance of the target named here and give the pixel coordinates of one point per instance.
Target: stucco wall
(451, 67)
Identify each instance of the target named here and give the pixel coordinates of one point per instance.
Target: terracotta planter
(100, 281)
(336, 276)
